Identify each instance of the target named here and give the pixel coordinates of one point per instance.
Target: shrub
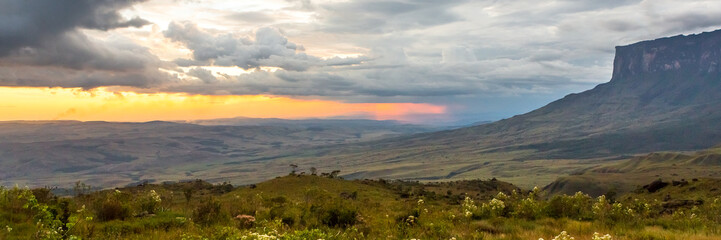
(188, 193)
(111, 210)
(150, 203)
(285, 214)
(528, 208)
(576, 207)
(337, 215)
(207, 212)
(113, 206)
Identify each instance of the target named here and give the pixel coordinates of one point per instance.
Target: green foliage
(208, 212)
(113, 206)
(188, 194)
(576, 207)
(150, 203)
(313, 207)
(336, 215)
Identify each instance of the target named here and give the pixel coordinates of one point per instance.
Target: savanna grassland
(327, 207)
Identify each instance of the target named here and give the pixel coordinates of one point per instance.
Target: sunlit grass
(314, 207)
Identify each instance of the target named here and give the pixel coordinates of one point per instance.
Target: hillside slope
(663, 95)
(629, 175)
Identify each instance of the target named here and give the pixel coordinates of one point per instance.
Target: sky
(422, 61)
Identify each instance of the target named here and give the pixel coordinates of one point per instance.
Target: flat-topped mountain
(663, 95)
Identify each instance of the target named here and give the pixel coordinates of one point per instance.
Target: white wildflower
(597, 236)
(563, 236)
(154, 196)
(497, 204)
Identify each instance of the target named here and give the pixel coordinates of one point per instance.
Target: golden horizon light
(101, 104)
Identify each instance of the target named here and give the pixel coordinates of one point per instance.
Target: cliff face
(684, 56)
(664, 94)
(650, 79)
(667, 73)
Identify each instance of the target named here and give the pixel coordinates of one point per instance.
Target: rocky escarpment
(674, 71)
(663, 95)
(684, 56)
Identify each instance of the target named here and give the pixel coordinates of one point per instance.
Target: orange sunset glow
(104, 105)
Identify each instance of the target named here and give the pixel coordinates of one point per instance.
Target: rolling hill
(629, 175)
(58, 153)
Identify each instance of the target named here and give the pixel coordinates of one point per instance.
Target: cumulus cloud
(267, 48)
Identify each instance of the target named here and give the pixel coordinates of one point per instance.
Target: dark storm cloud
(42, 45)
(268, 48)
(29, 23)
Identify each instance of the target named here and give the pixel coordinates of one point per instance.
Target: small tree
(81, 189)
(294, 168)
(313, 171)
(188, 192)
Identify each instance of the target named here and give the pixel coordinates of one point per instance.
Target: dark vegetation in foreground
(315, 207)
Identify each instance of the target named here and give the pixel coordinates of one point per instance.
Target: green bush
(113, 206)
(112, 209)
(576, 207)
(208, 212)
(336, 215)
(150, 203)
